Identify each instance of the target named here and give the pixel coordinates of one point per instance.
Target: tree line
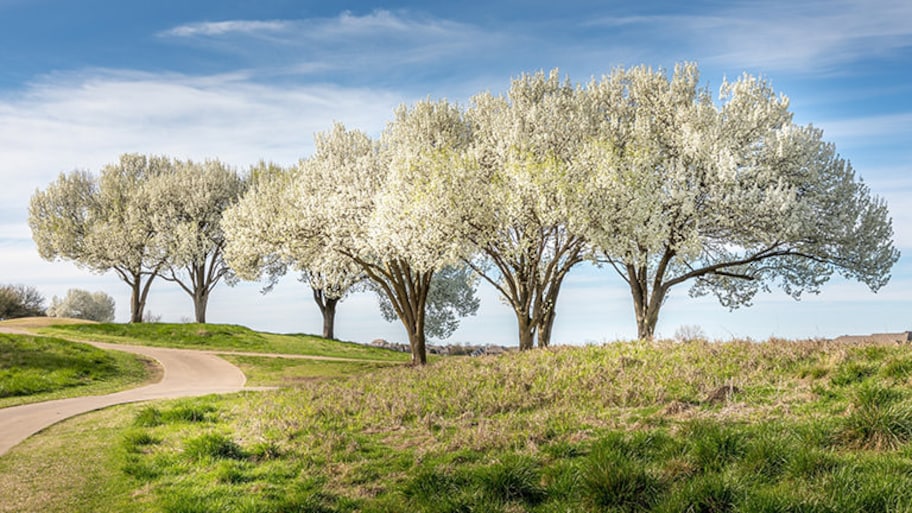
(642, 172)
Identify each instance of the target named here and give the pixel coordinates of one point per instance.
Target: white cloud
(895, 127)
(381, 40)
(221, 28)
(812, 36)
(83, 121)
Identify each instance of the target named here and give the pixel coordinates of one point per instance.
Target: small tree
(20, 301)
(82, 304)
(451, 297)
(257, 245)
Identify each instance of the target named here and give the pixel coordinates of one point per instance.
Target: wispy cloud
(379, 40)
(895, 127)
(68, 121)
(812, 36)
(221, 28)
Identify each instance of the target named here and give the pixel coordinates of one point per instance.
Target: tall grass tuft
(879, 419)
(612, 479)
(709, 493)
(212, 446)
(712, 446)
(514, 478)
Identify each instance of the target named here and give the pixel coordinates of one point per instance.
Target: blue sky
(82, 82)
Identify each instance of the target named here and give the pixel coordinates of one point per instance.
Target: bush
(20, 301)
(82, 304)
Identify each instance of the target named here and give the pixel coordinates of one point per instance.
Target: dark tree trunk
(544, 328)
(138, 295)
(646, 308)
(407, 290)
(417, 344)
(200, 303)
(136, 303)
(526, 331)
(329, 318)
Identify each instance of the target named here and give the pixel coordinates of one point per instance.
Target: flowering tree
(186, 207)
(259, 230)
(351, 197)
(731, 196)
(103, 223)
(82, 304)
(419, 145)
(517, 193)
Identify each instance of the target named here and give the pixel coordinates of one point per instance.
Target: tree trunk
(526, 332)
(647, 313)
(419, 349)
(200, 303)
(545, 324)
(136, 303)
(328, 309)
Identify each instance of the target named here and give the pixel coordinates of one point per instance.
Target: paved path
(186, 373)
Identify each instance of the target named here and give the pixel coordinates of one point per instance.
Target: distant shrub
(20, 301)
(82, 304)
(689, 332)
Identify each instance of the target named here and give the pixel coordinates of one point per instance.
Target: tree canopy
(730, 194)
(103, 223)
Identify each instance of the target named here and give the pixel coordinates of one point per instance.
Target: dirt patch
(676, 407)
(722, 394)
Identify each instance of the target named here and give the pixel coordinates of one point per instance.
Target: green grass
(34, 368)
(271, 371)
(221, 337)
(628, 427)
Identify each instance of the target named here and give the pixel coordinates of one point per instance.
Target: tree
(347, 200)
(18, 301)
(82, 304)
(731, 196)
(186, 207)
(407, 242)
(103, 223)
(510, 197)
(255, 245)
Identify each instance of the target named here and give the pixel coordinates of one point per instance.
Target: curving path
(187, 373)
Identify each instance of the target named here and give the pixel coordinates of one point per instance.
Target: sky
(83, 82)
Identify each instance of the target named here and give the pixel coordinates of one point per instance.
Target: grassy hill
(41, 368)
(741, 426)
(222, 337)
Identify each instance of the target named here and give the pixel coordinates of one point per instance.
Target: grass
(271, 371)
(628, 427)
(36, 369)
(221, 337)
